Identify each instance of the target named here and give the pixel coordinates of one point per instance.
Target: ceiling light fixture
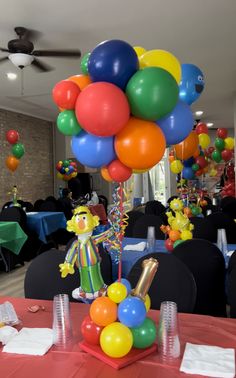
(199, 113)
(210, 124)
(21, 60)
(11, 75)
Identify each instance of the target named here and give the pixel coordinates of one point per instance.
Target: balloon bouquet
(66, 169)
(18, 150)
(120, 113)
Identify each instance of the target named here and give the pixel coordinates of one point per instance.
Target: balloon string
(121, 235)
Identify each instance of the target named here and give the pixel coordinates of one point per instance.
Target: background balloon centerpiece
(18, 150)
(66, 169)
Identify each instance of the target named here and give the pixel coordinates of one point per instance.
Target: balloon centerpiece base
(117, 363)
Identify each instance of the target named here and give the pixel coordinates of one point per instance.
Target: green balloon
(66, 163)
(195, 167)
(84, 64)
(67, 123)
(18, 150)
(152, 93)
(219, 144)
(177, 242)
(216, 156)
(144, 335)
(195, 211)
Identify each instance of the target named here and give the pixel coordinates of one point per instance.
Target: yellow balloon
(117, 292)
(229, 143)
(186, 235)
(147, 302)
(176, 166)
(204, 140)
(60, 176)
(213, 172)
(116, 340)
(140, 170)
(163, 59)
(139, 50)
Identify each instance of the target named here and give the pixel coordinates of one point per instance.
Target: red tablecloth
(77, 364)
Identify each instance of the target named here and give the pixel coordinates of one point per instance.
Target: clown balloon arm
(66, 269)
(103, 236)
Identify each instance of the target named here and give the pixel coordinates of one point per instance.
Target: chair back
(133, 217)
(203, 229)
(28, 206)
(155, 208)
(48, 206)
(172, 282)
(141, 226)
(43, 279)
(232, 285)
(223, 220)
(37, 204)
(14, 214)
(207, 265)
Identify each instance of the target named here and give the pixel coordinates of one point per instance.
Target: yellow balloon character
(229, 143)
(139, 50)
(163, 59)
(186, 235)
(204, 140)
(176, 166)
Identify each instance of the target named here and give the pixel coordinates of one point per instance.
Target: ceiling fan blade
(58, 53)
(40, 66)
(3, 59)
(3, 49)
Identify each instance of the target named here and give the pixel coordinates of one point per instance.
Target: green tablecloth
(12, 236)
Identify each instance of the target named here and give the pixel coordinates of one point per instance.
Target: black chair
(64, 205)
(141, 226)
(51, 198)
(133, 217)
(231, 275)
(222, 220)
(172, 282)
(48, 206)
(7, 204)
(228, 206)
(207, 265)
(28, 206)
(106, 263)
(43, 279)
(154, 208)
(37, 204)
(203, 229)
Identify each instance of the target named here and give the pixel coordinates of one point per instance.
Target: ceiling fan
(22, 51)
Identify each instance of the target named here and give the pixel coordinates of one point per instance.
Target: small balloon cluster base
(117, 363)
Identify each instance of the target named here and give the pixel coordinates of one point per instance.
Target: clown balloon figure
(84, 253)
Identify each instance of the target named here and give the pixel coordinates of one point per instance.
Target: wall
(34, 175)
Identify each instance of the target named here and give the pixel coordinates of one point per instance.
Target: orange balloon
(140, 144)
(187, 211)
(196, 153)
(81, 80)
(174, 235)
(103, 311)
(12, 163)
(186, 149)
(105, 174)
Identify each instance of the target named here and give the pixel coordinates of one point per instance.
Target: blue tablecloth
(130, 257)
(45, 222)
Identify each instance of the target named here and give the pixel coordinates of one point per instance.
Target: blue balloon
(127, 284)
(189, 162)
(93, 151)
(178, 124)
(188, 173)
(132, 312)
(192, 83)
(113, 61)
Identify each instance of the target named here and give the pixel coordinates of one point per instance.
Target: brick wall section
(34, 175)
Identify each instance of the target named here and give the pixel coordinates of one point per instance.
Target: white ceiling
(202, 32)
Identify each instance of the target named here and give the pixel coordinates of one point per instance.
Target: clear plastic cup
(62, 327)
(168, 333)
(151, 239)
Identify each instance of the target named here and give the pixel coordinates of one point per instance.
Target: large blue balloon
(188, 173)
(132, 312)
(192, 83)
(113, 61)
(93, 151)
(178, 124)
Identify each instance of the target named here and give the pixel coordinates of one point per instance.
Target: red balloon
(118, 171)
(210, 150)
(65, 94)
(201, 161)
(199, 172)
(90, 331)
(201, 128)
(227, 155)
(12, 136)
(169, 244)
(222, 133)
(102, 109)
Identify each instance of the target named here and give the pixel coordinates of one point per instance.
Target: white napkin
(135, 247)
(6, 333)
(208, 360)
(34, 341)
